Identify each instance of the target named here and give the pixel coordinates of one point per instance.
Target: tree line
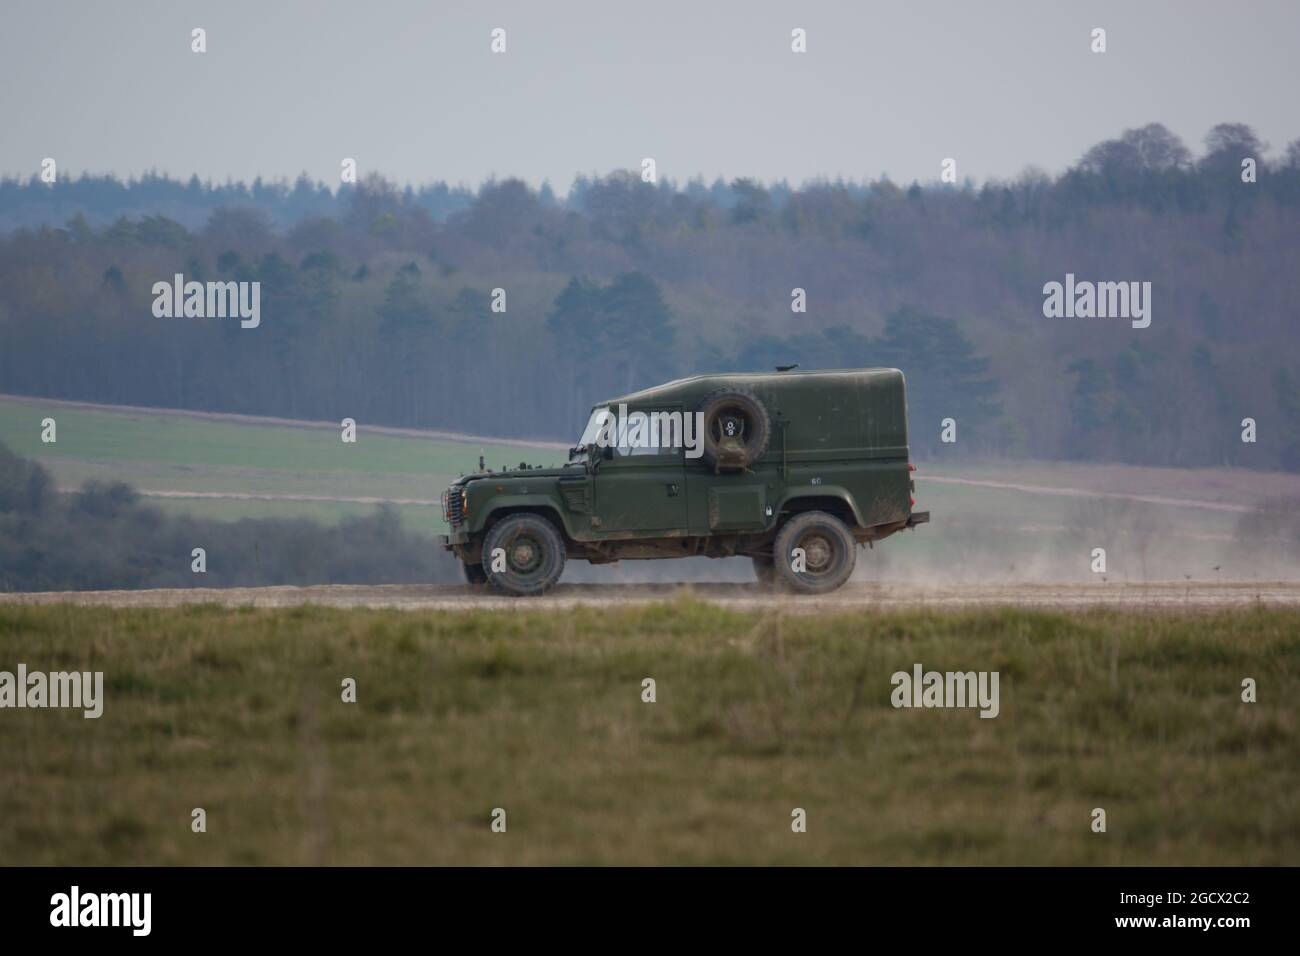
(508, 311)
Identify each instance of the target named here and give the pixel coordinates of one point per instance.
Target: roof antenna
(787, 368)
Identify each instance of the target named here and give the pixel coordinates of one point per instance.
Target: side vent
(574, 493)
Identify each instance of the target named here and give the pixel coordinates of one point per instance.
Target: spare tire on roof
(736, 429)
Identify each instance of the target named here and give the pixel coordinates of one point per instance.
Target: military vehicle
(792, 469)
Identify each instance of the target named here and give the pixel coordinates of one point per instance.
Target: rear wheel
(529, 551)
(815, 553)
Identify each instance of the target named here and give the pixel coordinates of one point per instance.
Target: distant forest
(377, 300)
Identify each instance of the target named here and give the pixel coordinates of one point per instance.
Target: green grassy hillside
(159, 451)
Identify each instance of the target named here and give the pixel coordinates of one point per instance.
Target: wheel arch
(542, 507)
(829, 498)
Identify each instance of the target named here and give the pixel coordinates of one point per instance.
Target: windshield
(641, 437)
(594, 424)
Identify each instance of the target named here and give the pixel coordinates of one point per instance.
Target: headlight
(454, 505)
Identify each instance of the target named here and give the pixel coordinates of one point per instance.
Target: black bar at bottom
(214, 905)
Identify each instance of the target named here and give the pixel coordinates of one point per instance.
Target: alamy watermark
(645, 433)
(923, 688)
(1098, 300)
(75, 908)
(75, 689)
(209, 300)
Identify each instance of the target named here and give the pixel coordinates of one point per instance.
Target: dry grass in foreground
(239, 712)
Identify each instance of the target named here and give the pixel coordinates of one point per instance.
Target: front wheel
(815, 553)
(529, 553)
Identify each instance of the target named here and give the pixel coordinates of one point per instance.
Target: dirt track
(1162, 596)
(433, 502)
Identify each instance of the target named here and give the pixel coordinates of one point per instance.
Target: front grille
(453, 505)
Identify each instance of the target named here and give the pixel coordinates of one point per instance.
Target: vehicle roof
(694, 384)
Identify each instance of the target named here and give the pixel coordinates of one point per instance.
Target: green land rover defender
(791, 469)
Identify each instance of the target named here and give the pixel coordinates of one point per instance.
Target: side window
(650, 432)
(623, 451)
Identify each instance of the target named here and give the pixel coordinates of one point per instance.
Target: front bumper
(449, 541)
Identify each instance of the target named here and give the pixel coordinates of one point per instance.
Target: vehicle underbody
(643, 548)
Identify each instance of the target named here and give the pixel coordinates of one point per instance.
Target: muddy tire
(737, 429)
(534, 555)
(829, 553)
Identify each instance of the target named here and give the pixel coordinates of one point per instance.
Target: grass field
(161, 451)
(239, 712)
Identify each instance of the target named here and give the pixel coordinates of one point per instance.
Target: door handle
(672, 490)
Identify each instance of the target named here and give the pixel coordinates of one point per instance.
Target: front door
(641, 489)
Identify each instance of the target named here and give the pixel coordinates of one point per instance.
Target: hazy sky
(412, 90)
